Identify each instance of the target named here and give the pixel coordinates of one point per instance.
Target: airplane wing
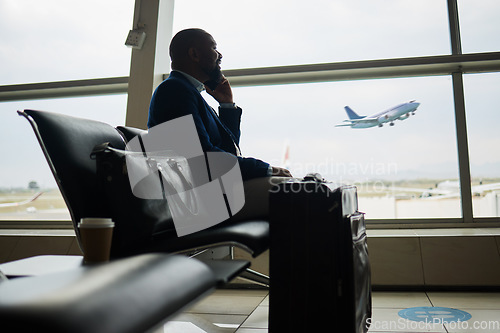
(425, 193)
(364, 120)
(486, 187)
(436, 193)
(361, 121)
(419, 190)
(476, 190)
(443, 196)
(20, 203)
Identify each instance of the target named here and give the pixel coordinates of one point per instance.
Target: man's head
(194, 51)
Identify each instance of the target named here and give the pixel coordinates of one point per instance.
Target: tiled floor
(246, 311)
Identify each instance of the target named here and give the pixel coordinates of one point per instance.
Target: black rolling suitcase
(319, 267)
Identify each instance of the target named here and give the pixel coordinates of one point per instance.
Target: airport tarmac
(51, 207)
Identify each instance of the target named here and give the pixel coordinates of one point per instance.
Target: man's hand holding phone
(220, 91)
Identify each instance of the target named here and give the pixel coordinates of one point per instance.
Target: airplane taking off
(401, 112)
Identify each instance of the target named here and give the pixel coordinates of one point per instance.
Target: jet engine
(383, 119)
(404, 116)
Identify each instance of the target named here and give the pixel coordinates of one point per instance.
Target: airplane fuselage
(401, 112)
(398, 112)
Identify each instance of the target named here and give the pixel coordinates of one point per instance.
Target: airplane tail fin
(286, 156)
(352, 114)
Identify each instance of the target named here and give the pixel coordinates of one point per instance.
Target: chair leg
(255, 277)
(251, 275)
(247, 275)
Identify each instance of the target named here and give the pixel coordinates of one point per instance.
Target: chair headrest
(67, 143)
(128, 133)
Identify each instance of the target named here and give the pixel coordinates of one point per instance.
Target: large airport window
(275, 33)
(479, 28)
(399, 170)
(54, 40)
(404, 169)
(481, 91)
(24, 170)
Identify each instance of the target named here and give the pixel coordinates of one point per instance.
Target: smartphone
(212, 84)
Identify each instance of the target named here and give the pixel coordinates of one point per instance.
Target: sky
(55, 40)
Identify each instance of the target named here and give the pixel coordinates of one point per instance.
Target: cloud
(63, 40)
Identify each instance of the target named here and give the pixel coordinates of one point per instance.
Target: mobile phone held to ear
(212, 84)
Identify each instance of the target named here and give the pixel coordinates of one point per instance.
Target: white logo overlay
(202, 188)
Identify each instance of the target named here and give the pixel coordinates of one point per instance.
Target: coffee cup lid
(94, 222)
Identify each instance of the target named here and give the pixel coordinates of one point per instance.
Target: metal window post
(460, 116)
(463, 147)
(148, 64)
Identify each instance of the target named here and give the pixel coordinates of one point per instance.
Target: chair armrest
(226, 270)
(126, 295)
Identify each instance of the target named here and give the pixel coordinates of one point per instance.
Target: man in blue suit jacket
(195, 65)
(177, 97)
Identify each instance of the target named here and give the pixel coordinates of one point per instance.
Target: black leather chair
(67, 143)
(134, 294)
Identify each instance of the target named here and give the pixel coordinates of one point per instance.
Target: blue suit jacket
(176, 97)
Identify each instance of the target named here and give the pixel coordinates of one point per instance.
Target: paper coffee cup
(96, 235)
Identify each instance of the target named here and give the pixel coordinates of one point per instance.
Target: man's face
(210, 58)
